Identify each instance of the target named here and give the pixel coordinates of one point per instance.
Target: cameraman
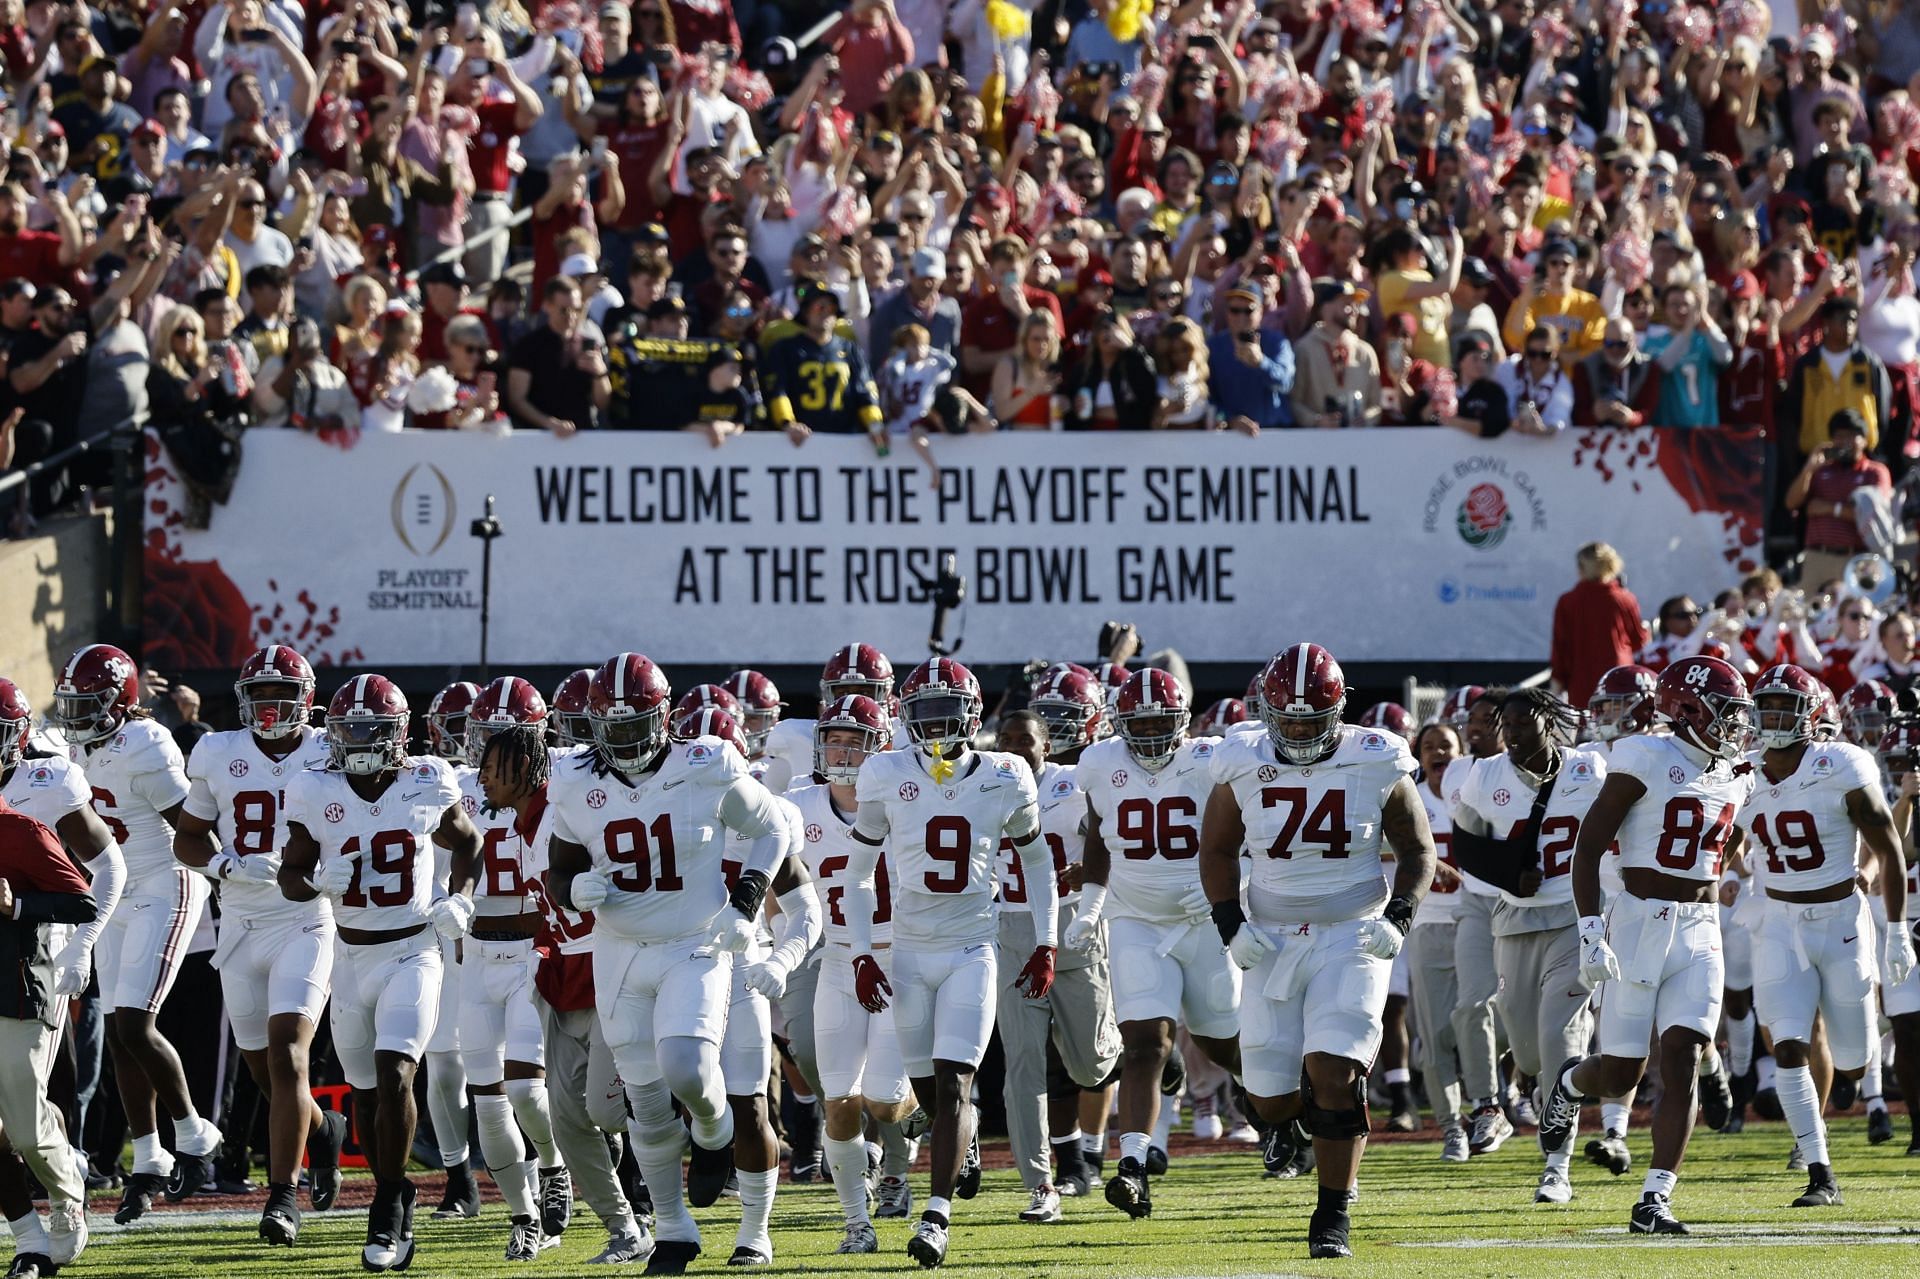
(1825, 489)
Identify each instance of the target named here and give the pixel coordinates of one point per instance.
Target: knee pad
(1343, 1124)
(651, 1105)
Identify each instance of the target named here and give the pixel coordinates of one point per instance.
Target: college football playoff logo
(424, 508)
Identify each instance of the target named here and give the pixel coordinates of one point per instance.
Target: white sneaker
(67, 1231)
(623, 1247)
(1207, 1125)
(1454, 1148)
(929, 1243)
(1244, 1133)
(859, 1238)
(1554, 1188)
(895, 1198)
(1043, 1208)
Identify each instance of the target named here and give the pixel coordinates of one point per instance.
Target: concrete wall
(53, 599)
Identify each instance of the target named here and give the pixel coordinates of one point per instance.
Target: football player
(362, 832)
(446, 1070)
(638, 838)
(1310, 804)
(1073, 707)
(1220, 718)
(139, 782)
(53, 791)
(760, 706)
(856, 670)
(1899, 753)
(1067, 1042)
(502, 1048)
(1523, 808)
(1431, 981)
(1865, 711)
(1813, 806)
(858, 1051)
(1671, 801)
(275, 957)
(940, 812)
(1146, 788)
(1395, 1045)
(568, 720)
(586, 1098)
(1476, 716)
(816, 378)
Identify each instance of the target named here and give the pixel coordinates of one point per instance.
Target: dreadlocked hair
(520, 754)
(1494, 697)
(1560, 723)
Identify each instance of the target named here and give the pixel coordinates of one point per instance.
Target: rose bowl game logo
(1483, 518)
(238, 768)
(335, 813)
(909, 790)
(596, 798)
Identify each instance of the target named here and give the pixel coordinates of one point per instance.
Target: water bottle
(1356, 410)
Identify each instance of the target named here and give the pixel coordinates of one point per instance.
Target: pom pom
(434, 391)
(1694, 31)
(1747, 18)
(1149, 87)
(1376, 103)
(1551, 35)
(1627, 256)
(1443, 395)
(1126, 17)
(1362, 17)
(749, 88)
(1902, 120)
(459, 120)
(1007, 21)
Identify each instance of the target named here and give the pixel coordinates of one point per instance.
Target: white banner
(1388, 545)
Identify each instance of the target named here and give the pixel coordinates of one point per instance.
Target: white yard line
(1813, 1233)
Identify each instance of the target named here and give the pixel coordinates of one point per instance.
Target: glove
(870, 984)
(590, 889)
(1900, 958)
(1036, 979)
(1380, 938)
(1598, 963)
(1248, 947)
(1194, 901)
(737, 933)
(71, 969)
(766, 977)
(1081, 930)
(452, 916)
(261, 868)
(333, 878)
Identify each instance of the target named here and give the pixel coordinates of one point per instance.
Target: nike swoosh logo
(1848, 941)
(412, 794)
(1181, 772)
(995, 786)
(670, 785)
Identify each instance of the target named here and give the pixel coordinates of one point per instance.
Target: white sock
(1709, 1062)
(1094, 1144)
(1764, 1079)
(1872, 1082)
(875, 1153)
(1400, 1076)
(1659, 1182)
(193, 1135)
(1133, 1145)
(847, 1160)
(756, 1203)
(1801, 1106)
(1163, 1122)
(1740, 1044)
(30, 1234)
(447, 1106)
(150, 1156)
(941, 1206)
(506, 1154)
(1613, 1117)
(529, 1098)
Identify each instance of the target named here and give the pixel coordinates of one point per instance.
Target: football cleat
(323, 1162)
(1173, 1075)
(1560, 1112)
(389, 1231)
(523, 1243)
(745, 1256)
(1488, 1130)
(191, 1173)
(707, 1173)
(1405, 1115)
(137, 1199)
(556, 1201)
(858, 1239)
(623, 1247)
(1716, 1097)
(1327, 1234)
(280, 1220)
(1207, 1125)
(1822, 1190)
(967, 1185)
(1554, 1188)
(1913, 1145)
(1156, 1161)
(66, 1232)
(806, 1169)
(1043, 1206)
(1653, 1215)
(1074, 1185)
(1879, 1127)
(1453, 1143)
(1610, 1152)
(915, 1125)
(895, 1198)
(929, 1243)
(1845, 1092)
(1520, 1111)
(1796, 1162)
(1278, 1149)
(1129, 1191)
(462, 1197)
(31, 1265)
(671, 1257)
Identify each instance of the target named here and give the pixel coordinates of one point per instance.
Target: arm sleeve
(109, 879)
(799, 926)
(749, 809)
(1043, 885)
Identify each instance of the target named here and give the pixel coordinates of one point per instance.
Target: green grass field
(1215, 1215)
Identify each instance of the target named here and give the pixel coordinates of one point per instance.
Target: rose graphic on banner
(1484, 517)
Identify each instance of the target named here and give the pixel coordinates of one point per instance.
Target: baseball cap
(652, 233)
(1093, 277)
(1558, 249)
(661, 308)
(149, 129)
(1476, 272)
(1663, 162)
(444, 273)
(614, 7)
(579, 264)
(993, 196)
(1743, 285)
(928, 264)
(1472, 344)
(1326, 290)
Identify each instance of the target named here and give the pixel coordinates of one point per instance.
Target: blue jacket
(1263, 392)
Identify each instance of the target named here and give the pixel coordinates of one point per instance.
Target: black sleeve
(34, 907)
(1497, 418)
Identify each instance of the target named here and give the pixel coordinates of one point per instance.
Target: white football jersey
(1680, 827)
(571, 931)
(1063, 824)
(136, 775)
(243, 792)
(1150, 823)
(1450, 783)
(1803, 838)
(662, 836)
(1313, 831)
(787, 761)
(1441, 905)
(826, 846)
(942, 838)
(1503, 800)
(390, 838)
(502, 888)
(47, 788)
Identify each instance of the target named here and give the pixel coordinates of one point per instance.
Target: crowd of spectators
(957, 215)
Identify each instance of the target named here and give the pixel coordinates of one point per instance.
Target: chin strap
(942, 771)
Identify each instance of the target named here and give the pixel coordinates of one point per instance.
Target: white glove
(334, 877)
(767, 977)
(1598, 963)
(1900, 958)
(452, 916)
(737, 933)
(1194, 901)
(1248, 947)
(71, 968)
(261, 868)
(591, 888)
(1081, 930)
(1380, 938)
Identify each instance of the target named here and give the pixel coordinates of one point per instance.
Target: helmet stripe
(620, 676)
(360, 691)
(1300, 673)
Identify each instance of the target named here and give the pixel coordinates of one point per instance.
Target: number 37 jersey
(1803, 837)
(1681, 825)
(243, 792)
(389, 838)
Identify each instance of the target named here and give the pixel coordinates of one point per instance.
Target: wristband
(1399, 913)
(749, 891)
(1227, 917)
(1592, 927)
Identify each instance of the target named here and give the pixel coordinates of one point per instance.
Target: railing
(123, 439)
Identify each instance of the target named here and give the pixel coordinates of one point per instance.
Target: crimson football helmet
(1791, 723)
(1054, 669)
(701, 696)
(505, 703)
(1151, 715)
(1706, 700)
(1391, 716)
(275, 692)
(97, 687)
(1459, 704)
(1826, 720)
(708, 721)
(367, 726)
(942, 705)
(16, 724)
(857, 668)
(759, 699)
(447, 720)
(1252, 699)
(1072, 705)
(1899, 748)
(1622, 702)
(627, 704)
(1219, 716)
(569, 706)
(1303, 690)
(1865, 711)
(839, 762)
(1111, 677)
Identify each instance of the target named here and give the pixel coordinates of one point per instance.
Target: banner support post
(486, 528)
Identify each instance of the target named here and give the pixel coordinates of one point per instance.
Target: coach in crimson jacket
(1596, 625)
(39, 885)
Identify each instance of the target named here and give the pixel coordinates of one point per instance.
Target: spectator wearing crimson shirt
(701, 22)
(1596, 625)
(503, 117)
(636, 134)
(1825, 490)
(443, 292)
(37, 256)
(568, 203)
(1759, 366)
(991, 322)
(873, 47)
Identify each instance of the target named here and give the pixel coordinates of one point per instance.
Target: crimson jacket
(1596, 627)
(47, 889)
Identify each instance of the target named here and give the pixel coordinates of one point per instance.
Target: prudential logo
(1484, 517)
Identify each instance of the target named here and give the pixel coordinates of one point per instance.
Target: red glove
(1036, 979)
(870, 984)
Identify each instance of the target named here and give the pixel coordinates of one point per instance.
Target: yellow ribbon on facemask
(942, 771)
